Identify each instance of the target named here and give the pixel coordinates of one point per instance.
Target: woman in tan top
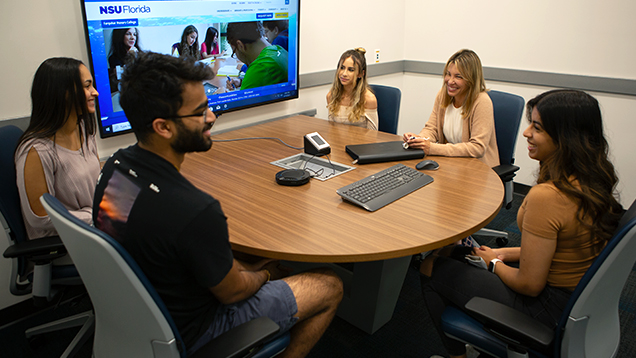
(350, 100)
(565, 220)
(57, 153)
(462, 122)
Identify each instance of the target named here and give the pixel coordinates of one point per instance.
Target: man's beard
(188, 141)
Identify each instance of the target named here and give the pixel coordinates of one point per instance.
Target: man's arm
(239, 284)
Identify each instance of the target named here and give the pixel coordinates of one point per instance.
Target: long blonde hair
(469, 65)
(358, 99)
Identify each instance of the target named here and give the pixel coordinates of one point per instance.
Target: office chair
(388, 107)
(46, 281)
(508, 109)
(588, 327)
(131, 320)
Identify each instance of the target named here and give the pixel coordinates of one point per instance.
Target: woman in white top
(350, 100)
(462, 123)
(57, 153)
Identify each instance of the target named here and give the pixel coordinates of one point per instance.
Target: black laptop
(382, 152)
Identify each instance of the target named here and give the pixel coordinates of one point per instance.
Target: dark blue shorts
(274, 300)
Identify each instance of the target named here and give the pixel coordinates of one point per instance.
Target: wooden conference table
(312, 224)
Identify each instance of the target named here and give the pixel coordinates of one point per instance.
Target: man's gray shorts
(274, 299)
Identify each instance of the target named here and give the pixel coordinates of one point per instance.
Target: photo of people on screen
(277, 33)
(189, 44)
(266, 63)
(210, 47)
(122, 43)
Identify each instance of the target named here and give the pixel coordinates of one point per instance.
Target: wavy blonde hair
(358, 99)
(469, 65)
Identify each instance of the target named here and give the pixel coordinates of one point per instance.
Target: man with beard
(178, 234)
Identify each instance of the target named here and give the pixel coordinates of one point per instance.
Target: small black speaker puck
(292, 177)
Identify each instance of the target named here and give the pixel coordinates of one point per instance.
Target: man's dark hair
(272, 24)
(247, 32)
(151, 87)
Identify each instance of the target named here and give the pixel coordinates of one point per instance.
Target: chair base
(86, 320)
(491, 233)
(501, 236)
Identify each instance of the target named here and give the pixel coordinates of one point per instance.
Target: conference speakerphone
(292, 177)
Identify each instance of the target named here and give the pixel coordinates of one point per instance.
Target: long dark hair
(57, 90)
(573, 120)
(186, 50)
(210, 34)
(117, 47)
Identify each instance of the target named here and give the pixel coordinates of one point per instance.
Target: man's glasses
(204, 115)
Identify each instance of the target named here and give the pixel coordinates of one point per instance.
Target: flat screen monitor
(113, 28)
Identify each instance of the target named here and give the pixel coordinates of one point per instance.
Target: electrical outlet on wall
(377, 55)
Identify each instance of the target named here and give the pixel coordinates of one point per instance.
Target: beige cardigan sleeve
(478, 138)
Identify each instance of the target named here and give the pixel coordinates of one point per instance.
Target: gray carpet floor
(409, 334)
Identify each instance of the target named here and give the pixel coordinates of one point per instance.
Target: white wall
(573, 37)
(593, 38)
(32, 32)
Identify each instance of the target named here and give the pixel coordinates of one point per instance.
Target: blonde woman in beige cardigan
(462, 122)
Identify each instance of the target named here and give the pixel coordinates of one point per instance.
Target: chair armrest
(239, 340)
(505, 172)
(511, 326)
(44, 249)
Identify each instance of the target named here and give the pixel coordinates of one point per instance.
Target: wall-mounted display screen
(196, 29)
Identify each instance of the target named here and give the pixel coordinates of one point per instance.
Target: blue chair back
(9, 196)
(131, 318)
(96, 256)
(388, 107)
(10, 206)
(594, 302)
(508, 109)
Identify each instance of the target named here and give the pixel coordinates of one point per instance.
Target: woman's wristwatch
(493, 262)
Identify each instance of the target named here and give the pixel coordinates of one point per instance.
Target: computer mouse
(427, 165)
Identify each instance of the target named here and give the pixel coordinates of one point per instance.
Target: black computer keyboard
(384, 187)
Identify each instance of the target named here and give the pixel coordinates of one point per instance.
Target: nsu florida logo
(125, 9)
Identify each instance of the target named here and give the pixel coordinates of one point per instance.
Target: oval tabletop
(311, 223)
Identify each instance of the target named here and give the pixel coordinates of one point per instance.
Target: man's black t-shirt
(176, 233)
